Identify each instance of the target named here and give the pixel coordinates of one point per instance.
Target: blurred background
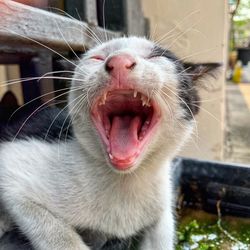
(38, 36)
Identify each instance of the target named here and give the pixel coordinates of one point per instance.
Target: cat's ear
(198, 71)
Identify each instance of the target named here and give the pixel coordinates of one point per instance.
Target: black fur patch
(159, 51)
(188, 74)
(46, 122)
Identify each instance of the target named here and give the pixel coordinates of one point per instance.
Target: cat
(132, 106)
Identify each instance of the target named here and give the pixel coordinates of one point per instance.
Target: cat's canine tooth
(104, 97)
(135, 93)
(143, 99)
(111, 156)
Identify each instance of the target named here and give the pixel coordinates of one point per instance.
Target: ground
(237, 137)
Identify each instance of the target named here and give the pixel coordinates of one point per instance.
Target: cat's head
(133, 102)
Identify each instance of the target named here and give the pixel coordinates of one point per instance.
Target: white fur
(50, 189)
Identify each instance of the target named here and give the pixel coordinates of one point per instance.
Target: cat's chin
(127, 170)
(126, 120)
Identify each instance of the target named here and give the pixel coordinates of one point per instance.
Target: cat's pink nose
(120, 64)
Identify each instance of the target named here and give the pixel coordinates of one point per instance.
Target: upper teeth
(145, 100)
(103, 99)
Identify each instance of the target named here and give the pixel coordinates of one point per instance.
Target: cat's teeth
(111, 156)
(135, 93)
(107, 133)
(145, 101)
(103, 99)
(145, 127)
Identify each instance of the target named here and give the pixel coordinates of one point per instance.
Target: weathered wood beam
(25, 26)
(90, 12)
(134, 19)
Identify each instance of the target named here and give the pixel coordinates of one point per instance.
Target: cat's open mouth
(125, 120)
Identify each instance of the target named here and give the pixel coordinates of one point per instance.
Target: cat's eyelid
(154, 56)
(97, 57)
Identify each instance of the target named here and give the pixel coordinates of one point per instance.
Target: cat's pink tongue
(124, 140)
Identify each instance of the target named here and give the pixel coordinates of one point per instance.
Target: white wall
(197, 31)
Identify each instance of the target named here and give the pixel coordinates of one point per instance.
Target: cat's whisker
(181, 34)
(166, 102)
(197, 53)
(88, 99)
(173, 117)
(195, 123)
(62, 71)
(23, 124)
(81, 97)
(185, 70)
(94, 36)
(17, 80)
(60, 112)
(207, 100)
(151, 37)
(74, 116)
(42, 77)
(63, 37)
(37, 98)
(104, 21)
(43, 45)
(176, 25)
(209, 113)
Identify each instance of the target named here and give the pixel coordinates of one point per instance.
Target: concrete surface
(237, 139)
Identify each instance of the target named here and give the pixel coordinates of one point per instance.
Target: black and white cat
(132, 104)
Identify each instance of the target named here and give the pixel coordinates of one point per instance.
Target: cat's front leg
(161, 236)
(44, 230)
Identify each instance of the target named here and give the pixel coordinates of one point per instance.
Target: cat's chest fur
(120, 205)
(85, 195)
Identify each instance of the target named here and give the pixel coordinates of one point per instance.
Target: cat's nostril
(108, 67)
(120, 63)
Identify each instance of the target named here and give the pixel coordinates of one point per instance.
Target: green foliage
(240, 30)
(205, 234)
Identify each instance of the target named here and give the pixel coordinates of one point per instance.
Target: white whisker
(23, 124)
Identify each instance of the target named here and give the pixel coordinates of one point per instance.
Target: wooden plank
(134, 19)
(59, 4)
(44, 65)
(110, 14)
(31, 88)
(90, 12)
(22, 25)
(75, 9)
